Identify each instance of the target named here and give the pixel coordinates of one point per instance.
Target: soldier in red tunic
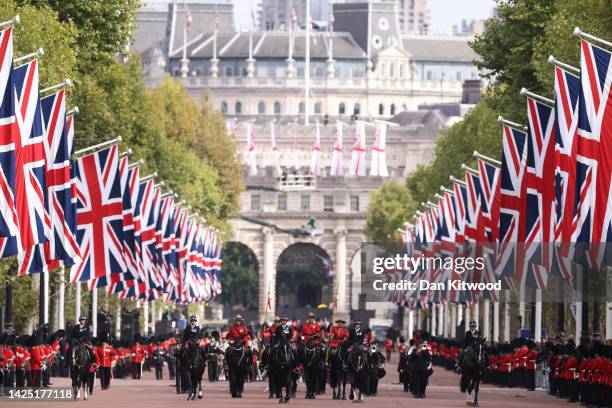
(107, 356)
(239, 331)
(311, 330)
(138, 356)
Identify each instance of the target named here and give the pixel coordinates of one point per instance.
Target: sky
(444, 13)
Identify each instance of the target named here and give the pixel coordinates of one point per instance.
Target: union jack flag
(30, 155)
(593, 206)
(99, 216)
(512, 191)
(567, 89)
(540, 194)
(149, 201)
(62, 249)
(9, 222)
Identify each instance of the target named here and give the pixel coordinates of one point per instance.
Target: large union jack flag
(540, 194)
(512, 191)
(62, 249)
(149, 201)
(9, 222)
(567, 89)
(99, 216)
(30, 159)
(593, 204)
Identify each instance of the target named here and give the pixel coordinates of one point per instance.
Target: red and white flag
(358, 164)
(337, 164)
(378, 167)
(251, 158)
(315, 159)
(275, 152)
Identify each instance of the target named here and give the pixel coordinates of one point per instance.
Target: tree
(390, 206)
(239, 275)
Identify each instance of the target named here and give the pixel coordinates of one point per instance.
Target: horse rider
(357, 335)
(311, 330)
(192, 334)
(239, 331)
(337, 335)
(283, 333)
(470, 336)
(81, 333)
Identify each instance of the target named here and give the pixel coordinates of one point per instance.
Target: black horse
(473, 367)
(311, 358)
(282, 363)
(238, 362)
(81, 361)
(337, 360)
(358, 361)
(193, 364)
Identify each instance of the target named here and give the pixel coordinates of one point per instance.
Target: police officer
(283, 333)
(470, 335)
(192, 333)
(80, 332)
(357, 334)
(158, 360)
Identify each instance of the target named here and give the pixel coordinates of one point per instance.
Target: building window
(404, 108)
(357, 109)
(238, 107)
(342, 109)
(223, 107)
(458, 75)
(381, 109)
(277, 108)
(281, 202)
(429, 75)
(228, 71)
(261, 108)
(302, 108)
(355, 203)
(305, 202)
(328, 203)
(402, 71)
(392, 109)
(255, 202)
(392, 70)
(317, 108)
(383, 69)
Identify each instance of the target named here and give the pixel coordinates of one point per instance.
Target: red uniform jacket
(569, 368)
(337, 335)
(9, 356)
(237, 332)
(389, 345)
(310, 330)
(37, 358)
(138, 354)
(106, 355)
(532, 355)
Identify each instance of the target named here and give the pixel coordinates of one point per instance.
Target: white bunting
(358, 165)
(378, 166)
(337, 165)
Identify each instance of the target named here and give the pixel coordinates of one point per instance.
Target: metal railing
(296, 182)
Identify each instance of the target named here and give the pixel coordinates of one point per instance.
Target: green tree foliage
(239, 275)
(390, 207)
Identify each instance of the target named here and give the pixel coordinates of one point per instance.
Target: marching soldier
(107, 357)
(138, 355)
(158, 360)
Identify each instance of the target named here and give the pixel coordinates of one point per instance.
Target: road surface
(442, 391)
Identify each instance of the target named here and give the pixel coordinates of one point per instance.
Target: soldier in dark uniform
(213, 351)
(80, 333)
(470, 335)
(283, 333)
(192, 335)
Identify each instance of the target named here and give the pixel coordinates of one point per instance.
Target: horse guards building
(366, 68)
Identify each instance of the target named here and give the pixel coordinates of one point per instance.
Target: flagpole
(579, 33)
(491, 160)
(118, 320)
(307, 67)
(34, 54)
(515, 125)
(102, 145)
(507, 317)
(543, 99)
(552, 60)
(77, 301)
(66, 83)
(14, 20)
(94, 311)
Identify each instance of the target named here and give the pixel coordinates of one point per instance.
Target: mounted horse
(81, 361)
(358, 361)
(337, 374)
(474, 363)
(311, 357)
(282, 363)
(193, 364)
(237, 362)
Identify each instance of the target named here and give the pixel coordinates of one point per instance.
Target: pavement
(443, 391)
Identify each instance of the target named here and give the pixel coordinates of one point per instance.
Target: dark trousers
(105, 377)
(20, 377)
(212, 372)
(90, 381)
(419, 379)
(36, 378)
(46, 377)
(171, 370)
(136, 371)
(530, 379)
(159, 370)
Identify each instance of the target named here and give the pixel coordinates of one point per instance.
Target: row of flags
(547, 204)
(357, 165)
(95, 214)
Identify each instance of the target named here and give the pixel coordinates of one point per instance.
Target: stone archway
(304, 273)
(241, 273)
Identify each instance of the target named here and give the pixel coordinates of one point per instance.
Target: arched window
(238, 107)
(381, 109)
(277, 108)
(228, 71)
(357, 109)
(342, 109)
(302, 108)
(392, 109)
(223, 107)
(404, 108)
(261, 108)
(317, 108)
